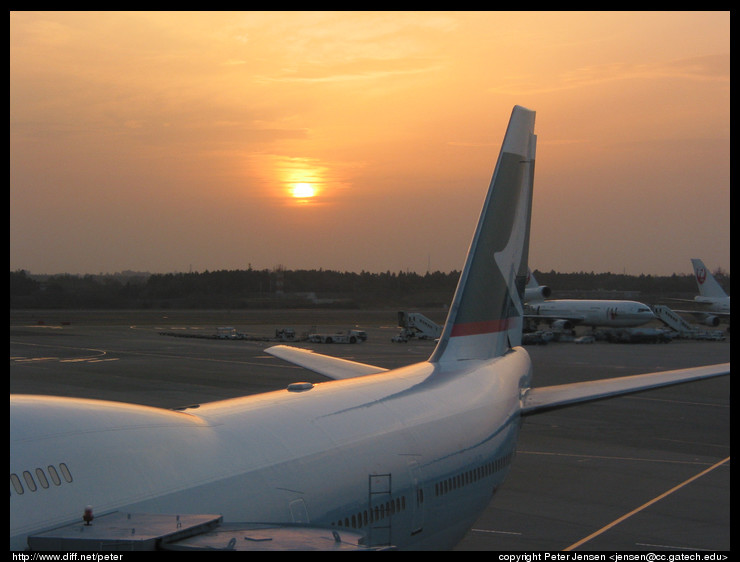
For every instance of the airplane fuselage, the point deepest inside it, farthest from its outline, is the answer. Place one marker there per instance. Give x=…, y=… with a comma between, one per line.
x=305, y=456
x=609, y=313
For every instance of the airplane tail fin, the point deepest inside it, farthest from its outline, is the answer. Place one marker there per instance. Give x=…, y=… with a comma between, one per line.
x=485, y=318
x=708, y=286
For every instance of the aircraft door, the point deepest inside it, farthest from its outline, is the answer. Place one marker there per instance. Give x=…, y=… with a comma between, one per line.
x=298, y=511
x=417, y=499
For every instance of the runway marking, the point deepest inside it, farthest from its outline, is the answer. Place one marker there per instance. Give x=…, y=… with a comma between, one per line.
x=88, y=359
x=645, y=505
x=673, y=547
x=31, y=359
x=495, y=532
x=606, y=457
x=695, y=443
x=93, y=358
x=80, y=360
x=710, y=404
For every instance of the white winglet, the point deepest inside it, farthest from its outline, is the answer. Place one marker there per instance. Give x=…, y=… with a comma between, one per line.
x=332, y=367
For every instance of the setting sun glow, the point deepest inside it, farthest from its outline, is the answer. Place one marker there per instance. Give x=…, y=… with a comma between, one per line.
x=264, y=125
x=303, y=190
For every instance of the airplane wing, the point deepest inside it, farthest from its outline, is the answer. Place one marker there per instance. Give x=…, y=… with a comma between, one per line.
x=548, y=397
x=332, y=367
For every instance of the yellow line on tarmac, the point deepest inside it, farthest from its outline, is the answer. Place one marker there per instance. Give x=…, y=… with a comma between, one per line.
x=643, y=506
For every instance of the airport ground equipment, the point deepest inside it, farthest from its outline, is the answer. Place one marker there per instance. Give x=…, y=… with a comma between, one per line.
x=228, y=333
x=684, y=330
x=416, y=325
x=285, y=334
x=350, y=336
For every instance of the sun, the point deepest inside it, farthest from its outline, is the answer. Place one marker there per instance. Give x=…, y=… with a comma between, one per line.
x=303, y=190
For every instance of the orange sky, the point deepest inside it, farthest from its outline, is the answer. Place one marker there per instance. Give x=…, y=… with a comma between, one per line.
x=171, y=141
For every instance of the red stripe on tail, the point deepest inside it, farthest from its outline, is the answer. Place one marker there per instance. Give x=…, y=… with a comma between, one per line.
x=476, y=328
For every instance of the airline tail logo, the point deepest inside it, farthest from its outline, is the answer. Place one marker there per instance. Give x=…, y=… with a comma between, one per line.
x=701, y=275
x=485, y=317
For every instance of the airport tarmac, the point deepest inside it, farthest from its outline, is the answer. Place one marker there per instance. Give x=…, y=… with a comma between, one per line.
x=644, y=472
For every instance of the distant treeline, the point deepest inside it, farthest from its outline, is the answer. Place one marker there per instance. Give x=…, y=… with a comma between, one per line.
x=280, y=288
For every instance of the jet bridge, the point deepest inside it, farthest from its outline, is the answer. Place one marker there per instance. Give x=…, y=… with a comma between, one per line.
x=119, y=531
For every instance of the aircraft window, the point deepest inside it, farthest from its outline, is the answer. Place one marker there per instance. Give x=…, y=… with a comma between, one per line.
x=42, y=478
x=29, y=480
x=54, y=475
x=65, y=472
x=17, y=484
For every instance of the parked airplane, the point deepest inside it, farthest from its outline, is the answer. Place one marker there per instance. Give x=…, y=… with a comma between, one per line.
x=712, y=297
x=567, y=313
x=407, y=457
x=534, y=292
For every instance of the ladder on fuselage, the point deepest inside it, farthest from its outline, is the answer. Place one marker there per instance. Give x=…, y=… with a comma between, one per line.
x=379, y=499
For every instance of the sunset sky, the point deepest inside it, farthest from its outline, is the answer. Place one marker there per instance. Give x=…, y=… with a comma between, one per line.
x=178, y=141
